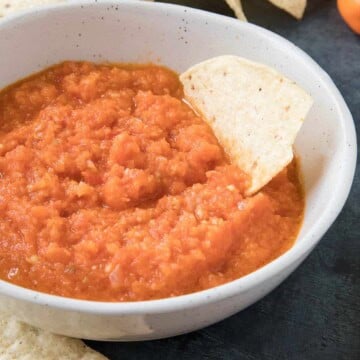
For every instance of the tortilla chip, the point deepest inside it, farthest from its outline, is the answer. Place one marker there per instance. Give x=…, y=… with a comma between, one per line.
x=237, y=8
x=23, y=342
x=295, y=8
x=254, y=111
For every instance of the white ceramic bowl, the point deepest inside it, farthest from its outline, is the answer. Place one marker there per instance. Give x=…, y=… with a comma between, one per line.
x=179, y=37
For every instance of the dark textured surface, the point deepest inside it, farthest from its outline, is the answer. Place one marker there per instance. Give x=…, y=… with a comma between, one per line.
x=315, y=314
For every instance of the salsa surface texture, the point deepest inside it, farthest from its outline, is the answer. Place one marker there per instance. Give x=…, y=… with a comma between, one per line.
x=113, y=189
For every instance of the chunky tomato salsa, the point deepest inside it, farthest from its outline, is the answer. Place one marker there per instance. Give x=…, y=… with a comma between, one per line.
x=113, y=189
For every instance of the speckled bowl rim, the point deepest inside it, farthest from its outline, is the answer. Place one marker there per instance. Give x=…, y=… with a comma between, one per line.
x=334, y=205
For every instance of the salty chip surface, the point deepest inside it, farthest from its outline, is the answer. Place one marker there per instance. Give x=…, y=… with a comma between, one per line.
x=295, y=8
x=254, y=111
x=24, y=342
x=236, y=7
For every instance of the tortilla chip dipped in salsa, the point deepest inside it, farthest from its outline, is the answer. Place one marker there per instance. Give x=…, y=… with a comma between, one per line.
x=113, y=188
x=254, y=111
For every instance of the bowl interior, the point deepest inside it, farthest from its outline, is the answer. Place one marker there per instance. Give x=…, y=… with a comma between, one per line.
x=180, y=37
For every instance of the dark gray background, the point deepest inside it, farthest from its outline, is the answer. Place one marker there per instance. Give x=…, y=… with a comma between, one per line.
x=315, y=313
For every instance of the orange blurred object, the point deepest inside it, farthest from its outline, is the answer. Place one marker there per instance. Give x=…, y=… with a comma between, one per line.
x=350, y=11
